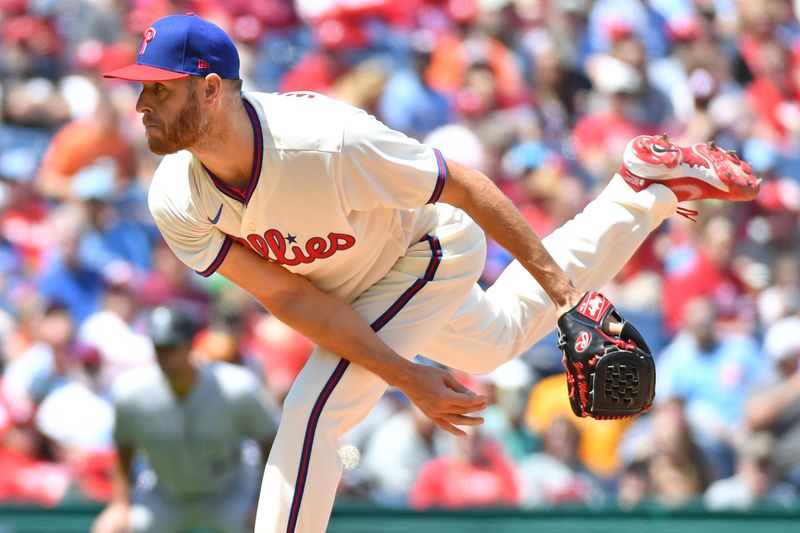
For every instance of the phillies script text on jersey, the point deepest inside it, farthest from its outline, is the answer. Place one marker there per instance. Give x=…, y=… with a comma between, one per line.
x=272, y=245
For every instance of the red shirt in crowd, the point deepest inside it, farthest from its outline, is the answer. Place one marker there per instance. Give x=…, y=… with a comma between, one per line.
x=453, y=482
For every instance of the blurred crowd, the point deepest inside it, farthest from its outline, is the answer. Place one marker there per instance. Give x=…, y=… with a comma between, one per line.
x=541, y=95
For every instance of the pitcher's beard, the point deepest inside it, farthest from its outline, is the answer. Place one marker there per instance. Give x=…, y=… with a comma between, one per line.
x=184, y=132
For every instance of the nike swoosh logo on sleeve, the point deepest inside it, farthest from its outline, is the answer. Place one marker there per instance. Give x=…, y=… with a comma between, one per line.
x=216, y=218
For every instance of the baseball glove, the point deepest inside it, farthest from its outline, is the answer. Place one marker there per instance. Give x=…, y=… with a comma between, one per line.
x=608, y=376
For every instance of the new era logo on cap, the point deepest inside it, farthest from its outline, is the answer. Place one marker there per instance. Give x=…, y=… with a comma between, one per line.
x=178, y=46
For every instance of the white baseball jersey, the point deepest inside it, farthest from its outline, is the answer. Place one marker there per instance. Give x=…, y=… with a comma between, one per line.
x=334, y=195
x=193, y=445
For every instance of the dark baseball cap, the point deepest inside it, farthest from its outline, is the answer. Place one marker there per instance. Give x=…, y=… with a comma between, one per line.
x=178, y=46
x=170, y=327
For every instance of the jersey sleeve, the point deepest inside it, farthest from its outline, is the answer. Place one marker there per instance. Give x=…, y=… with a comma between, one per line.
x=191, y=237
x=383, y=167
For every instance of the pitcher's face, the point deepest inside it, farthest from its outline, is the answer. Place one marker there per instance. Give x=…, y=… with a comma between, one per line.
x=171, y=115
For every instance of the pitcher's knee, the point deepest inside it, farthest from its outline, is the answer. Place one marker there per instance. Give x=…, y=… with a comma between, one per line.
x=296, y=406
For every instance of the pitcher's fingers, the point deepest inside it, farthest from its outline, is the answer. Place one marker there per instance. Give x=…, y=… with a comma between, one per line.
x=463, y=420
x=458, y=409
x=615, y=328
x=450, y=428
x=463, y=403
x=455, y=385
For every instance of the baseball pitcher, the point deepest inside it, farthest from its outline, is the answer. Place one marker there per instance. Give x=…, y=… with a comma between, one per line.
x=370, y=244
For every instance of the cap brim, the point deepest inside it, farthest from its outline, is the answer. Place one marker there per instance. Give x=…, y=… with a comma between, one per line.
x=138, y=72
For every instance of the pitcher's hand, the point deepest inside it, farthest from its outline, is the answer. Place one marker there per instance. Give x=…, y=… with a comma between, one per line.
x=444, y=399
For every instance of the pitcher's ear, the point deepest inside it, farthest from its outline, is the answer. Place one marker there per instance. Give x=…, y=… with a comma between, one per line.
x=212, y=86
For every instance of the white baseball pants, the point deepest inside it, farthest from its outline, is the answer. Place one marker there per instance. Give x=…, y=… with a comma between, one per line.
x=429, y=304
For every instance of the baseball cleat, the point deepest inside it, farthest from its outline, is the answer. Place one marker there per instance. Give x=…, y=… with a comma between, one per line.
x=701, y=171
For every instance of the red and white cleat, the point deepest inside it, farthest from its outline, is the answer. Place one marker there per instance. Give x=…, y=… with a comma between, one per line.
x=698, y=172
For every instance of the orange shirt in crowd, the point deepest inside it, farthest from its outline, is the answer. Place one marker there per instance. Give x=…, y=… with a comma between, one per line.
x=77, y=145
x=599, y=438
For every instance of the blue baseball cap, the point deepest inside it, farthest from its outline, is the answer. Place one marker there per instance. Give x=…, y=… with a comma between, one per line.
x=178, y=46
